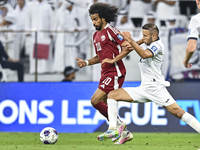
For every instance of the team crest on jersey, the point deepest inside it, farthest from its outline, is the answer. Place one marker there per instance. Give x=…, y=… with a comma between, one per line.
x=120, y=37
x=103, y=38
x=154, y=48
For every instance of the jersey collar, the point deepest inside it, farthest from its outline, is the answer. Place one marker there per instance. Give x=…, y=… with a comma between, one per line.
x=106, y=25
x=157, y=39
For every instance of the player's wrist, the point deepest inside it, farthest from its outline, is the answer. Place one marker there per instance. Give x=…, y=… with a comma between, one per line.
x=86, y=62
x=114, y=60
x=130, y=40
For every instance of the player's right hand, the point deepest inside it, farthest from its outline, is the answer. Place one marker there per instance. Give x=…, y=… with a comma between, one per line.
x=126, y=35
x=80, y=63
x=107, y=60
x=187, y=65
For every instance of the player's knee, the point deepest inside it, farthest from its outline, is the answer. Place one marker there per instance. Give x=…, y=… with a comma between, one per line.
x=94, y=101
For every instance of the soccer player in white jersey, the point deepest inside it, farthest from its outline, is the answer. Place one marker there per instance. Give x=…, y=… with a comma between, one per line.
x=153, y=84
x=193, y=35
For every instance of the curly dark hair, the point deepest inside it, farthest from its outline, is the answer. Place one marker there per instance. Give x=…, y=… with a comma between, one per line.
x=104, y=10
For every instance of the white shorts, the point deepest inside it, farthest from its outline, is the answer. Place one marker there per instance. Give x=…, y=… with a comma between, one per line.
x=156, y=93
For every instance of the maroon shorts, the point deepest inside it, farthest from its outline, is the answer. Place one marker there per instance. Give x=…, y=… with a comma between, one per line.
x=110, y=83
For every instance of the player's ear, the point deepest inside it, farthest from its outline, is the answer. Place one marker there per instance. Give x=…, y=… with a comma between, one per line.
x=154, y=37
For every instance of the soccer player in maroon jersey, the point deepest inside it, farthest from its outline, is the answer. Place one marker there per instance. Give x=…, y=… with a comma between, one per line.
x=108, y=43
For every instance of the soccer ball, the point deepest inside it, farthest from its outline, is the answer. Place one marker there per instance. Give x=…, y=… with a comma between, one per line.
x=49, y=135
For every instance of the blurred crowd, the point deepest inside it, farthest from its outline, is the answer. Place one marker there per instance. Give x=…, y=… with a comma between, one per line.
x=61, y=23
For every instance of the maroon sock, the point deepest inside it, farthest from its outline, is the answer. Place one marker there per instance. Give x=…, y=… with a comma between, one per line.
x=102, y=108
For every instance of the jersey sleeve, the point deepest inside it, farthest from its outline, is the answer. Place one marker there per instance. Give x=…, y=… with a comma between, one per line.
x=193, y=29
x=154, y=48
x=115, y=36
x=94, y=42
x=119, y=39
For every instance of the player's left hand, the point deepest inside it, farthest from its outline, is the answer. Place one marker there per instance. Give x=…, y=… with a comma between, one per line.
x=107, y=60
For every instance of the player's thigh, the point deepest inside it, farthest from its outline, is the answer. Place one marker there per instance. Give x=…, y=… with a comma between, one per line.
x=120, y=95
x=98, y=96
x=137, y=94
x=158, y=94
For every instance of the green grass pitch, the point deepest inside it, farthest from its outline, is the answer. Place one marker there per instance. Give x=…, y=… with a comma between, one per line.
x=88, y=141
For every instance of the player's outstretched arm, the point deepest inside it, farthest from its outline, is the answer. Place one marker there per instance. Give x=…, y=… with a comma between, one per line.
x=82, y=63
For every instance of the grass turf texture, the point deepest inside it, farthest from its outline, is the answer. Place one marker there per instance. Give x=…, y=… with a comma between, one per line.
x=88, y=141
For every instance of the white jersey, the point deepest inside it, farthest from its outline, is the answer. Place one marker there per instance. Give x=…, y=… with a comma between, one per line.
x=151, y=67
x=194, y=27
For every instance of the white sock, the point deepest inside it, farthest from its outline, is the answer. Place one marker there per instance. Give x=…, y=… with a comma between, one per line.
x=191, y=121
x=119, y=122
x=112, y=113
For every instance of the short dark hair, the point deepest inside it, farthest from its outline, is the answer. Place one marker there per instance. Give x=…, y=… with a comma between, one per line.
x=104, y=10
x=153, y=29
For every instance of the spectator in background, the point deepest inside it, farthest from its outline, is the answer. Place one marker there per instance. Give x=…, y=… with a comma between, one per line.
x=64, y=56
x=69, y=74
x=7, y=38
x=123, y=21
x=164, y=9
x=4, y=10
x=151, y=17
x=20, y=16
x=39, y=17
x=7, y=62
x=187, y=7
x=84, y=24
x=137, y=10
x=174, y=25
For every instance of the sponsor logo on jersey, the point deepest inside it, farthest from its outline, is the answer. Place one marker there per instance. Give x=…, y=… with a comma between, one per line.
x=167, y=100
x=103, y=38
x=120, y=37
x=154, y=48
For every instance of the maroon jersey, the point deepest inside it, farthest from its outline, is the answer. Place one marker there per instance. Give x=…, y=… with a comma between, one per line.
x=107, y=44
